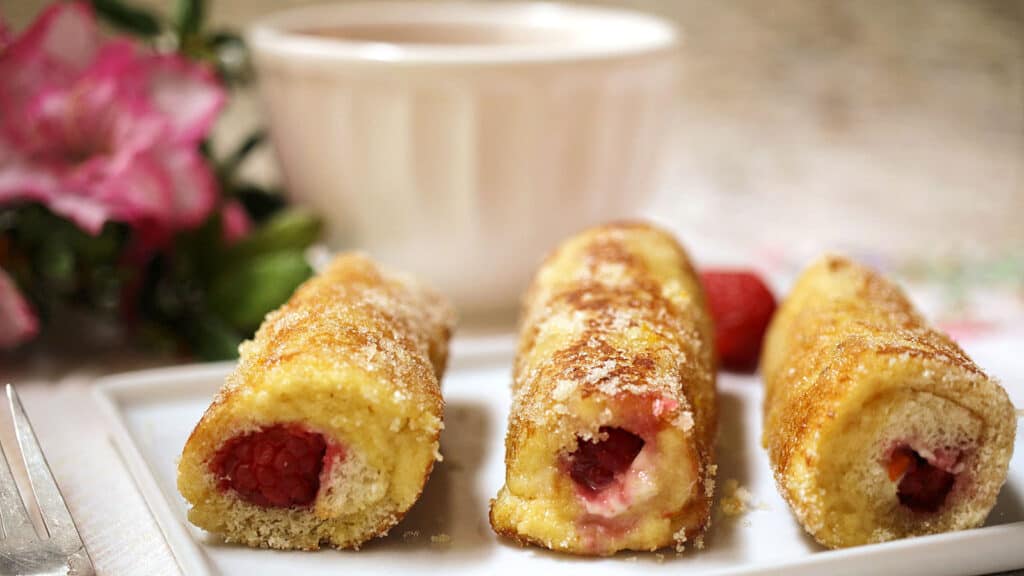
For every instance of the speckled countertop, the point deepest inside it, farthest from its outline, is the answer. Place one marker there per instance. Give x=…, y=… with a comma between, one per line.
x=873, y=125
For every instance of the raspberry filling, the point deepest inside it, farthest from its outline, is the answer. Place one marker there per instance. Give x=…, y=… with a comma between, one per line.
x=278, y=466
x=594, y=465
x=922, y=487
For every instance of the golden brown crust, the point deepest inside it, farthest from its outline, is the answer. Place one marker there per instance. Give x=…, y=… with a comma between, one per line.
x=844, y=336
x=816, y=335
x=615, y=312
x=353, y=334
x=406, y=324
x=608, y=310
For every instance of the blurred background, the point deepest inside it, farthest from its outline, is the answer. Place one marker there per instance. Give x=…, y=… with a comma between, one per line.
x=875, y=127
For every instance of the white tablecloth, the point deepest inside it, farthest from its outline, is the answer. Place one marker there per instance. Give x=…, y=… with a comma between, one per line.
x=116, y=526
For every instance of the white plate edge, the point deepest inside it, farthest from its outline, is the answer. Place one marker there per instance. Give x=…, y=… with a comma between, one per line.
x=187, y=553
x=191, y=559
x=108, y=393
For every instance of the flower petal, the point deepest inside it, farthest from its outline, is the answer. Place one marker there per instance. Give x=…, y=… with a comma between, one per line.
x=59, y=45
x=138, y=189
x=188, y=93
x=87, y=213
x=64, y=35
x=18, y=322
x=194, y=185
x=102, y=131
x=55, y=50
x=169, y=187
x=5, y=34
x=21, y=180
x=235, y=222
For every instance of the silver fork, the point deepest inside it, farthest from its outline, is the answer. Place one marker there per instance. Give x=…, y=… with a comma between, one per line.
x=23, y=552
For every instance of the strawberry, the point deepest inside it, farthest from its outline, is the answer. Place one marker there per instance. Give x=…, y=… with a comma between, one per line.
x=741, y=308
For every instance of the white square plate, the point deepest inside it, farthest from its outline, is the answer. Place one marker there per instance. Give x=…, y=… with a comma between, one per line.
x=151, y=413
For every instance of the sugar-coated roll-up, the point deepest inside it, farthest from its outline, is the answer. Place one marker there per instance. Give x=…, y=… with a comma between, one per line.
x=610, y=436
x=328, y=428
x=877, y=426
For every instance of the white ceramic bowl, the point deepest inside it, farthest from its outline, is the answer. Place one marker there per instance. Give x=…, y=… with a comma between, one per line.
x=461, y=141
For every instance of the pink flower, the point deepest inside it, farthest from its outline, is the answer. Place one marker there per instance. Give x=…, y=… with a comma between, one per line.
x=18, y=323
x=100, y=131
x=235, y=222
x=5, y=35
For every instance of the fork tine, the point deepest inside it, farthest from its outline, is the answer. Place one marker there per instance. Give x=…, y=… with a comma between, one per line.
x=13, y=516
x=54, y=511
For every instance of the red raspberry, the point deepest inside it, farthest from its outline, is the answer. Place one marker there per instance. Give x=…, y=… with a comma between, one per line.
x=277, y=466
x=594, y=465
x=741, y=307
x=923, y=487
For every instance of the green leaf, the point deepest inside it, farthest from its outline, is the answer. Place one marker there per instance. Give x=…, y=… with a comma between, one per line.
x=232, y=162
x=55, y=262
x=210, y=338
x=158, y=337
x=101, y=248
x=206, y=149
x=105, y=285
x=225, y=39
x=203, y=249
x=189, y=16
x=261, y=204
x=148, y=282
x=128, y=18
x=254, y=141
x=231, y=56
x=35, y=224
x=291, y=229
x=245, y=293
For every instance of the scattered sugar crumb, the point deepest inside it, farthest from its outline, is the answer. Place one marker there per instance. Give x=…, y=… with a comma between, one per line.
x=659, y=558
x=709, y=483
x=684, y=421
x=737, y=500
x=440, y=539
x=563, y=390
x=699, y=542
x=680, y=539
x=410, y=535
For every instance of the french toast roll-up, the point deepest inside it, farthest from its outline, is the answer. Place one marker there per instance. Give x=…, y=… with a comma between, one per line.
x=610, y=437
x=328, y=428
x=877, y=426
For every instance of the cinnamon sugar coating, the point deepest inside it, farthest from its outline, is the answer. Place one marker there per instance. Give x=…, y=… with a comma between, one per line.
x=352, y=312
x=355, y=356
x=852, y=371
x=632, y=323
x=613, y=331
